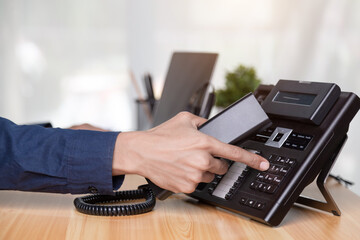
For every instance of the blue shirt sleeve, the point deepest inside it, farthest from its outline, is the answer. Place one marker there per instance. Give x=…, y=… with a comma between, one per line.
x=34, y=158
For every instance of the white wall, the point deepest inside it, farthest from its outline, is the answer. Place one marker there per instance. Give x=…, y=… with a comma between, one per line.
x=64, y=61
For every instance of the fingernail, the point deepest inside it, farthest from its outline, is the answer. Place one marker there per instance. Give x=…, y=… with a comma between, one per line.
x=264, y=166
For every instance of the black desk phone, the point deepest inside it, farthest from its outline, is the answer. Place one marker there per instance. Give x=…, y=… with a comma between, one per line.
x=310, y=121
x=300, y=128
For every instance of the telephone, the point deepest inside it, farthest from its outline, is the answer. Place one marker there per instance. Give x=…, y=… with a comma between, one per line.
x=310, y=121
x=300, y=128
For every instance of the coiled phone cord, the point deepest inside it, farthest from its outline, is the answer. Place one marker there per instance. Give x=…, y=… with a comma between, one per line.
x=90, y=204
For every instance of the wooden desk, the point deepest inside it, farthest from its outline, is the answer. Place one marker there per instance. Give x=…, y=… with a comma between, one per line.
x=52, y=216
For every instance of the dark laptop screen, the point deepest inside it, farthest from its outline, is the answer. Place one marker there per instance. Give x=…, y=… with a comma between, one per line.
x=188, y=73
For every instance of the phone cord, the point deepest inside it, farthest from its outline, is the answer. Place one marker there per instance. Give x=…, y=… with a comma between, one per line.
x=91, y=204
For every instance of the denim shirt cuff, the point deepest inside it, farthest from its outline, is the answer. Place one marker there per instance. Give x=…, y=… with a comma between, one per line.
x=89, y=159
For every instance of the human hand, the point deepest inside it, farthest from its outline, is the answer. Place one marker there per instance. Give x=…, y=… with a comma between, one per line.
x=176, y=156
x=86, y=126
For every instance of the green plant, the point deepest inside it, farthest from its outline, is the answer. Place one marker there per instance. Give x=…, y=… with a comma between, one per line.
x=238, y=83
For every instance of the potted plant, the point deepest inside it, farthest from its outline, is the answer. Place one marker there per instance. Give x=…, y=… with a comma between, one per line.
x=238, y=83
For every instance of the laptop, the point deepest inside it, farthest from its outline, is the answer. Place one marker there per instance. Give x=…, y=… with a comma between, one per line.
x=188, y=77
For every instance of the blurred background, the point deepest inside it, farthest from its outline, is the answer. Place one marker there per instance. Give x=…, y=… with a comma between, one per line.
x=68, y=62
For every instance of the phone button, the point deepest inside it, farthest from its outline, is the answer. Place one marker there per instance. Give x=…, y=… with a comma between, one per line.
x=243, y=200
x=272, y=157
x=250, y=202
x=270, y=189
x=290, y=161
x=274, y=169
x=254, y=185
x=277, y=180
x=284, y=170
x=259, y=205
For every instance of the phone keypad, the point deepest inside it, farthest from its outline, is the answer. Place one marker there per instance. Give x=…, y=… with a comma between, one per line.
x=269, y=181
x=225, y=186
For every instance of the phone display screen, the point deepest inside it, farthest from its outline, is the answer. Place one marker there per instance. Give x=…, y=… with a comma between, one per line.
x=303, y=99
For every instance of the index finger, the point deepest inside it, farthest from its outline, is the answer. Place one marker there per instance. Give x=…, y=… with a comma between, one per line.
x=235, y=153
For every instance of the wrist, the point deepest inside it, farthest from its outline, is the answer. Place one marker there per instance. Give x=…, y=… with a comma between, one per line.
x=125, y=160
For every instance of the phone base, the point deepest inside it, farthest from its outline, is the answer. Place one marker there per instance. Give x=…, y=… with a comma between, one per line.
x=330, y=205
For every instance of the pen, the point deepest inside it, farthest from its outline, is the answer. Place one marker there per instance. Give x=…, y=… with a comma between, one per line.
x=146, y=108
x=149, y=90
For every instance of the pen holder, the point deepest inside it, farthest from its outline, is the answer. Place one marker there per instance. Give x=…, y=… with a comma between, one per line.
x=145, y=112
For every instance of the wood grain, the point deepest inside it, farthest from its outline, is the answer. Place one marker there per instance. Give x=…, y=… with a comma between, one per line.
x=26, y=215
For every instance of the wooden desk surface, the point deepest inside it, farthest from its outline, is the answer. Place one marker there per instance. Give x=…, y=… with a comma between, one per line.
x=52, y=216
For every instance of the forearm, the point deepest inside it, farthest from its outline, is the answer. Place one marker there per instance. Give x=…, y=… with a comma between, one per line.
x=33, y=158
